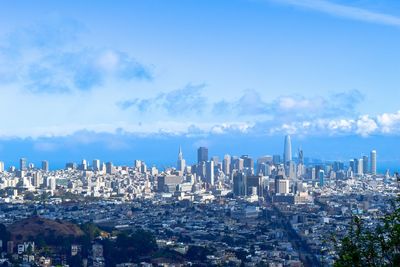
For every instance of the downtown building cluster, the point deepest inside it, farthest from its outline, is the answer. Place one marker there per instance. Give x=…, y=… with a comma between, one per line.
x=276, y=210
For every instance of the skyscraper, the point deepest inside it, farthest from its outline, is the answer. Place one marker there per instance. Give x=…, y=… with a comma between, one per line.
x=365, y=164
x=109, y=168
x=287, y=154
x=301, y=156
x=181, y=163
x=96, y=165
x=45, y=165
x=239, y=184
x=360, y=165
x=254, y=181
x=226, y=164
x=248, y=163
x=84, y=165
x=276, y=159
x=321, y=176
x=238, y=163
x=202, y=154
x=291, y=170
x=215, y=159
x=352, y=164
x=373, y=162
x=201, y=169
x=22, y=164
x=210, y=172
x=281, y=185
x=262, y=162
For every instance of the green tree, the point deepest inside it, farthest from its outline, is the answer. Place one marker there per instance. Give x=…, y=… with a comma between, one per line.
x=91, y=230
x=198, y=253
x=29, y=195
x=376, y=246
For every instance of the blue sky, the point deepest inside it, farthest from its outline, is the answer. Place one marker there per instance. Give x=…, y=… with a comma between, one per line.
x=197, y=71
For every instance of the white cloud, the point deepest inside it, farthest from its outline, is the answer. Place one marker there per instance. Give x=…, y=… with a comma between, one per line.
x=389, y=122
x=341, y=125
x=365, y=125
x=108, y=60
x=290, y=103
x=344, y=11
x=44, y=59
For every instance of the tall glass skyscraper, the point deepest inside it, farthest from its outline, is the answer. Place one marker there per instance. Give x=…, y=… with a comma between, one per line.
x=45, y=165
x=202, y=154
x=365, y=164
x=22, y=164
x=287, y=153
x=373, y=162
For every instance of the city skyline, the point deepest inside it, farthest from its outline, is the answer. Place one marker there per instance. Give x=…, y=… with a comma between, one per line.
x=369, y=162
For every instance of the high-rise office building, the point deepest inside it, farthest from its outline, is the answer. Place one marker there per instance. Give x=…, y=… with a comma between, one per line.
x=360, y=165
x=226, y=164
x=287, y=154
x=1, y=166
x=373, y=162
x=262, y=168
x=246, y=185
x=109, y=168
x=168, y=183
x=262, y=162
x=365, y=164
x=45, y=165
x=84, y=165
x=238, y=164
x=291, y=170
x=70, y=165
x=210, y=172
x=37, y=179
x=248, y=163
x=22, y=164
x=201, y=169
x=337, y=166
x=181, y=163
x=31, y=166
x=301, y=157
x=202, y=154
x=352, y=164
x=276, y=159
x=316, y=170
x=137, y=164
x=51, y=183
x=281, y=185
x=239, y=184
x=143, y=168
x=254, y=181
x=96, y=165
x=215, y=159
x=321, y=176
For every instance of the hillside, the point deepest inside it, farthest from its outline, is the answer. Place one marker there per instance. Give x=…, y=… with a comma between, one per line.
x=35, y=226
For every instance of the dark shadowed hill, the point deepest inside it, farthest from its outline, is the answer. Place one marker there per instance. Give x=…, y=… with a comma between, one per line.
x=34, y=226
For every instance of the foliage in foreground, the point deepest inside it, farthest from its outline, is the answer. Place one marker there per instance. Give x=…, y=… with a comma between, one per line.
x=371, y=246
